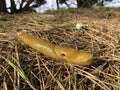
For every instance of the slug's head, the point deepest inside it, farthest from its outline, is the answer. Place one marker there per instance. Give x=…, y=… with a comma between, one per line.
x=73, y=56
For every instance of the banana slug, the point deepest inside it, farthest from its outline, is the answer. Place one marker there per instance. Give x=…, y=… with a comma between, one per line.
x=60, y=53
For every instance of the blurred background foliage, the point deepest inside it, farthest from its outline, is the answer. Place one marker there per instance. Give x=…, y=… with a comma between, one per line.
x=30, y=5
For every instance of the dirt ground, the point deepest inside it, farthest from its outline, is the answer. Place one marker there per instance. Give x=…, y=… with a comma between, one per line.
x=22, y=68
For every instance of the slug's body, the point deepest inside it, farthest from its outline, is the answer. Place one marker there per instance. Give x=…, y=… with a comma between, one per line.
x=59, y=52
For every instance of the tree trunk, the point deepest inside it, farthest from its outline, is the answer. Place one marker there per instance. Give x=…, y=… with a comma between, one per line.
x=57, y=2
x=21, y=5
x=13, y=7
x=3, y=6
x=27, y=6
x=67, y=4
x=79, y=3
x=84, y=3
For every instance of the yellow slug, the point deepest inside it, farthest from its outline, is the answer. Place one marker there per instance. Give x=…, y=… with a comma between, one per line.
x=60, y=53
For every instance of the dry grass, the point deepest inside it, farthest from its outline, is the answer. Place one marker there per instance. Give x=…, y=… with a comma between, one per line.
x=22, y=68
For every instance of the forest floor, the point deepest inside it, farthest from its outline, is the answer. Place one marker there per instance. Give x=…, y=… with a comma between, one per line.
x=22, y=68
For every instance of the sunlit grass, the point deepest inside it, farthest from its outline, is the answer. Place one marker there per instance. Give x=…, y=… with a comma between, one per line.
x=19, y=70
